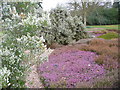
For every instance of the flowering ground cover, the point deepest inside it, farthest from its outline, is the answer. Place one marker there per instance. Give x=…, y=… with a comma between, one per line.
x=97, y=33
x=26, y=31
x=106, y=34
x=107, y=51
x=72, y=67
x=93, y=67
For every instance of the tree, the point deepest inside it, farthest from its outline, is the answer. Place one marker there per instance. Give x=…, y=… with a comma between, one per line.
x=103, y=16
x=116, y=5
x=106, y=14
x=84, y=8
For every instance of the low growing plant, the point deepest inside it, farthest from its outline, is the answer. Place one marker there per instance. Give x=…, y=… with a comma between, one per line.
x=111, y=35
x=107, y=51
x=72, y=67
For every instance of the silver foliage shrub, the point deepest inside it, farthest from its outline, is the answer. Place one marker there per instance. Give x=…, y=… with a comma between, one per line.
x=20, y=46
x=64, y=28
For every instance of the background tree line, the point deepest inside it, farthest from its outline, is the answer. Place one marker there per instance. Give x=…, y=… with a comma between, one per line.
x=95, y=13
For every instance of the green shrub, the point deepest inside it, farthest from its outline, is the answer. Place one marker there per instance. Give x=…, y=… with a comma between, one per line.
x=103, y=16
x=64, y=27
x=109, y=36
x=15, y=51
x=19, y=42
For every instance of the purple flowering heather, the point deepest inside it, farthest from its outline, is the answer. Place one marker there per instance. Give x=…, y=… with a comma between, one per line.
x=98, y=35
x=74, y=66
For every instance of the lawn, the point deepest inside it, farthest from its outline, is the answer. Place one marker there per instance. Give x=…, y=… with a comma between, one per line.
x=109, y=36
x=102, y=27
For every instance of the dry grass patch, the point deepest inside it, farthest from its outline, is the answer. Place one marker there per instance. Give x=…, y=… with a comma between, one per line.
x=107, y=51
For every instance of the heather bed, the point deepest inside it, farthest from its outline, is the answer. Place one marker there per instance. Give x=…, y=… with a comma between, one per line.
x=69, y=67
x=72, y=66
x=106, y=34
x=26, y=34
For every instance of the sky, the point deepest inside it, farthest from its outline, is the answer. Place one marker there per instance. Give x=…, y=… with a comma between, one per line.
x=49, y=4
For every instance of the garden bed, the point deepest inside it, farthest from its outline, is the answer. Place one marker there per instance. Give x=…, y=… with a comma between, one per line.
x=69, y=67
x=106, y=34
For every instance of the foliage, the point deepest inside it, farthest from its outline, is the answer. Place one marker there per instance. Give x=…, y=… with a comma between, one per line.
x=20, y=8
x=4, y=74
x=116, y=5
x=64, y=27
x=103, y=16
x=15, y=51
x=95, y=13
x=19, y=42
x=70, y=67
x=111, y=35
x=11, y=59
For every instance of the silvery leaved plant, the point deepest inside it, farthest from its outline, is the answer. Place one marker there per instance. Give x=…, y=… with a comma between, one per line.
x=34, y=45
x=4, y=74
x=64, y=28
x=14, y=54
x=21, y=44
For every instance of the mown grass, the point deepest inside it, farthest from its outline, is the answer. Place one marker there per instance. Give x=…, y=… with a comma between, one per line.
x=102, y=27
x=109, y=36
x=105, y=26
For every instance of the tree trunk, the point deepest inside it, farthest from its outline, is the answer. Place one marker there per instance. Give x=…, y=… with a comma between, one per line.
x=84, y=18
x=84, y=12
